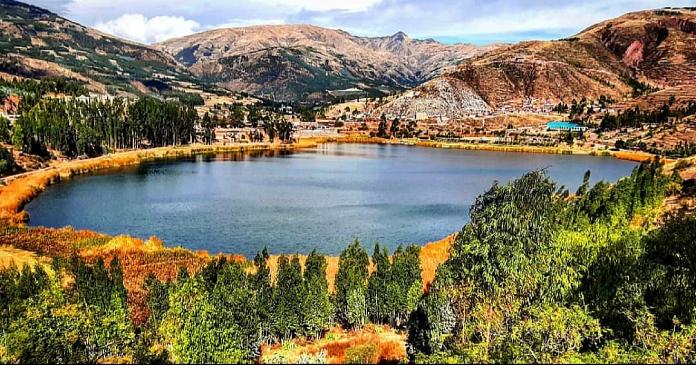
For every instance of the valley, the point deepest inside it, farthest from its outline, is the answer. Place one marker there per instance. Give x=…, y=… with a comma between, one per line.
x=296, y=193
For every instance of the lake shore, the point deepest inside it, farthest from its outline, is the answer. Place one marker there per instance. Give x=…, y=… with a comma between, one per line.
x=140, y=256
x=22, y=188
x=636, y=156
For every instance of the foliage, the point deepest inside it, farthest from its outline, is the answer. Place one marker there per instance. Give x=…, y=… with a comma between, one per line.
x=351, y=286
x=5, y=129
x=7, y=162
x=44, y=323
x=539, y=276
x=78, y=128
x=317, y=315
x=394, y=288
x=362, y=354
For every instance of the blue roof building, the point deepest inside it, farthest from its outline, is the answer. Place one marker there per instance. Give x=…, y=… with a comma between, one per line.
x=565, y=126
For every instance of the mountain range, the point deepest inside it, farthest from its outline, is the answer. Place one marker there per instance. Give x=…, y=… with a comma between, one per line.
x=296, y=62
x=622, y=59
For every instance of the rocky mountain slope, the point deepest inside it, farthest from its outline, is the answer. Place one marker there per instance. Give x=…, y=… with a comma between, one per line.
x=295, y=62
x=37, y=43
x=614, y=58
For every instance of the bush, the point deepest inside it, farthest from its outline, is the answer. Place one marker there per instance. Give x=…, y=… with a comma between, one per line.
x=362, y=354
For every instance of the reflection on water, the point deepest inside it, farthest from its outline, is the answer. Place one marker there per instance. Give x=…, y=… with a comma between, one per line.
x=296, y=201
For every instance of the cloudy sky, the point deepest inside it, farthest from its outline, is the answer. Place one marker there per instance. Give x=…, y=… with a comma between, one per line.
x=450, y=21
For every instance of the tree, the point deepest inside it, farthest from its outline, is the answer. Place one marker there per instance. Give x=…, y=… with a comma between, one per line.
x=670, y=265
x=380, y=299
x=7, y=162
x=431, y=322
x=351, y=286
x=382, y=127
x=208, y=127
x=395, y=128
x=288, y=298
x=317, y=313
x=406, y=282
x=510, y=232
x=236, y=117
x=261, y=283
x=5, y=130
x=254, y=116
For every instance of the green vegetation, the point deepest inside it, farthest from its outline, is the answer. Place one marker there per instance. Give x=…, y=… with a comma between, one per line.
x=632, y=118
x=78, y=128
x=105, y=59
x=639, y=88
x=7, y=162
x=537, y=275
x=29, y=87
x=43, y=323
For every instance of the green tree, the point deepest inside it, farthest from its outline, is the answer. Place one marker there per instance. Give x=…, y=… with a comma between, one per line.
x=5, y=130
x=317, y=315
x=288, y=298
x=208, y=127
x=7, y=162
x=351, y=286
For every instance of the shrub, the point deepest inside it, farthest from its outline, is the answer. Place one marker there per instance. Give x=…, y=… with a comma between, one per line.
x=362, y=354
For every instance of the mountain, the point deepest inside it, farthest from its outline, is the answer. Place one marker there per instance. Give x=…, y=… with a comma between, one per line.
x=294, y=62
x=37, y=43
x=619, y=58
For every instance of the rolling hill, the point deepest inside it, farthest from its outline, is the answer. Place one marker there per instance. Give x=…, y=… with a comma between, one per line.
x=37, y=43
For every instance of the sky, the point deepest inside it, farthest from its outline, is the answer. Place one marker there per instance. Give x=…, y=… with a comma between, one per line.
x=448, y=21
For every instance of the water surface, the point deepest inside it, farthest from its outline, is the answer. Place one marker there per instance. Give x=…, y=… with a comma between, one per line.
x=296, y=201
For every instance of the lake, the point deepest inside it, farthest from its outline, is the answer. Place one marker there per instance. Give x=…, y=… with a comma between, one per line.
x=295, y=201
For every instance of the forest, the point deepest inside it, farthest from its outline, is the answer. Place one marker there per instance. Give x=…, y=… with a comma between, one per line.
x=537, y=275
x=635, y=117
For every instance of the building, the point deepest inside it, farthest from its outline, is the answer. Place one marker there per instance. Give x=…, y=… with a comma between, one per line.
x=561, y=126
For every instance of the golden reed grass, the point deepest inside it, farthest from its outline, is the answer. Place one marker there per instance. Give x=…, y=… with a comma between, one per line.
x=390, y=345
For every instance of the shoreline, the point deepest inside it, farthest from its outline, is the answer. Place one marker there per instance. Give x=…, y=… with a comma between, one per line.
x=635, y=156
x=20, y=189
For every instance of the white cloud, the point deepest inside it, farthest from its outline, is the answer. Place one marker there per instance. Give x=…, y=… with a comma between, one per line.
x=238, y=22
x=461, y=19
x=139, y=28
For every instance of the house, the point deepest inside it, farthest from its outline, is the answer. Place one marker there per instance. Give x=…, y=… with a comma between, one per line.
x=561, y=126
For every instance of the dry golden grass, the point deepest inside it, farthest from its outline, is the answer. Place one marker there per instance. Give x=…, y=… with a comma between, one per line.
x=390, y=345
x=636, y=156
x=432, y=255
x=10, y=256
x=139, y=258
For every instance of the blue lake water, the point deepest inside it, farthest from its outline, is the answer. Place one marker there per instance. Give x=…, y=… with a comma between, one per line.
x=293, y=202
